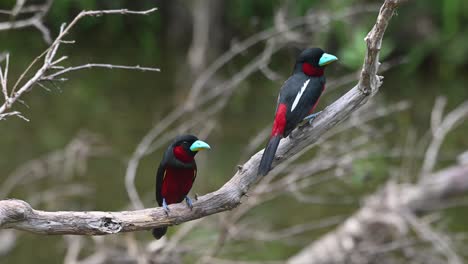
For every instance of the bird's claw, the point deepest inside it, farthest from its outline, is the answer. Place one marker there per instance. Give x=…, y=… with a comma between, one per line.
x=311, y=117
x=189, y=202
x=165, y=207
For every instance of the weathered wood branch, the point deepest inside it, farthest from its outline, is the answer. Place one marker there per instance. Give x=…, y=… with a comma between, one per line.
x=19, y=215
x=383, y=216
x=51, y=63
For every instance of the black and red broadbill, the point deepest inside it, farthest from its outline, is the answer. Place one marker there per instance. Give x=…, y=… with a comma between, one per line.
x=176, y=174
x=297, y=99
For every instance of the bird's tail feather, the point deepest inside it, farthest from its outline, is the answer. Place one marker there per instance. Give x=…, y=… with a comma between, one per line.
x=268, y=155
x=159, y=232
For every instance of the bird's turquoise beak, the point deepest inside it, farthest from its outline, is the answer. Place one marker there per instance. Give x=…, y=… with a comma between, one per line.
x=199, y=145
x=327, y=59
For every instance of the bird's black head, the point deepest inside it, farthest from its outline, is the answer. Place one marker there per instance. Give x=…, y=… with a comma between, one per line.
x=186, y=146
x=311, y=56
x=311, y=61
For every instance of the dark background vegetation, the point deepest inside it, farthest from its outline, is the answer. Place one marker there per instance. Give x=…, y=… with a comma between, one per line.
x=120, y=106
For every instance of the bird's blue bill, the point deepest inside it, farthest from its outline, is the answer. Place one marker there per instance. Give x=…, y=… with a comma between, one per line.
x=327, y=59
x=199, y=145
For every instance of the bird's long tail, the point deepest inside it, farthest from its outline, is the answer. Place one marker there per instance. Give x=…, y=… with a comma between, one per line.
x=268, y=155
x=159, y=232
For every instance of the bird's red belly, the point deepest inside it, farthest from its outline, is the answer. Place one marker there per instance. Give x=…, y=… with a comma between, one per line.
x=177, y=184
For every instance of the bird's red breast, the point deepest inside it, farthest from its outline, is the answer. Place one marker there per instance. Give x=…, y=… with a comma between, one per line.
x=177, y=183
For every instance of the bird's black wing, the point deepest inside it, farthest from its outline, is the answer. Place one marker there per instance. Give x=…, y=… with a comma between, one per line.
x=305, y=103
x=290, y=88
x=159, y=180
x=160, y=175
x=300, y=92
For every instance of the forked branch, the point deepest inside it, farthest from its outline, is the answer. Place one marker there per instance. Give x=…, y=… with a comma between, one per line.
x=51, y=63
x=19, y=215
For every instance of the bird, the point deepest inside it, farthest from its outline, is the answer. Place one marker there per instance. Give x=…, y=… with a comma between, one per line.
x=176, y=174
x=297, y=100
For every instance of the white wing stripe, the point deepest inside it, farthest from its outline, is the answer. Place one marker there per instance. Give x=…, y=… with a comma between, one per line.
x=299, y=94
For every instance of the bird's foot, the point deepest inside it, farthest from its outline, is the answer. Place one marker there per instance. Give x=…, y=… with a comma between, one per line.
x=188, y=201
x=310, y=118
x=165, y=207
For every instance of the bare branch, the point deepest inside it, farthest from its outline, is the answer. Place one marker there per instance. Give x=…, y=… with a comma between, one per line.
x=440, y=128
x=156, y=136
x=440, y=243
x=18, y=6
x=50, y=62
x=24, y=10
x=4, y=77
x=382, y=212
x=97, y=65
x=148, y=143
x=369, y=81
x=13, y=113
x=36, y=20
x=18, y=214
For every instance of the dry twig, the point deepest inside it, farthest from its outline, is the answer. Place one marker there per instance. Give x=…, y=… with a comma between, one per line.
x=18, y=214
x=50, y=63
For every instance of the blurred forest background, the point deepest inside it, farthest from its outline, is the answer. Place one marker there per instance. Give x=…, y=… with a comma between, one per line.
x=73, y=153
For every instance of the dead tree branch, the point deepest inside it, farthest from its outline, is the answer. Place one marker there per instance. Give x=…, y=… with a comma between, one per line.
x=389, y=214
x=439, y=128
x=35, y=19
x=51, y=63
x=19, y=215
x=273, y=37
x=385, y=212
